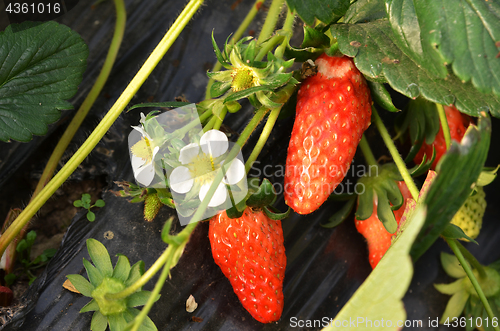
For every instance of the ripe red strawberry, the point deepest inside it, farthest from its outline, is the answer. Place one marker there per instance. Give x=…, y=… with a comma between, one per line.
x=250, y=252
x=458, y=124
x=333, y=110
x=377, y=237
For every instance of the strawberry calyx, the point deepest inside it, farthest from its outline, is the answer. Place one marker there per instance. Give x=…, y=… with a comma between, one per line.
x=383, y=187
x=260, y=196
x=464, y=297
x=248, y=77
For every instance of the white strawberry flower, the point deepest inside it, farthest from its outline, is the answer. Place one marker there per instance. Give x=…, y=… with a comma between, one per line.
x=143, y=154
x=199, y=168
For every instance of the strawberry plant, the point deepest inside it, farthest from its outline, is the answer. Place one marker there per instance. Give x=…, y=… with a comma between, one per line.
x=417, y=81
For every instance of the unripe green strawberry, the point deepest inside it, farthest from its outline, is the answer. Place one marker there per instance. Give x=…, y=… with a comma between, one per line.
x=470, y=216
x=152, y=205
x=333, y=110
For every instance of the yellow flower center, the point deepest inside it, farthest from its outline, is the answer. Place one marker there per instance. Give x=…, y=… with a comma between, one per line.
x=143, y=149
x=202, y=169
x=243, y=78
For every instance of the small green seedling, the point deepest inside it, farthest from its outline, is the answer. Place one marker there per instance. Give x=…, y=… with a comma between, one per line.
x=85, y=203
x=24, y=256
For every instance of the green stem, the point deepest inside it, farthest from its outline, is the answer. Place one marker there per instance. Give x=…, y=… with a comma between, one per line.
x=475, y=263
x=156, y=291
x=164, y=257
x=395, y=155
x=237, y=35
x=80, y=115
x=458, y=253
x=288, y=29
x=444, y=125
x=218, y=121
x=271, y=120
x=210, y=124
x=268, y=46
x=271, y=20
x=247, y=132
x=115, y=111
x=367, y=152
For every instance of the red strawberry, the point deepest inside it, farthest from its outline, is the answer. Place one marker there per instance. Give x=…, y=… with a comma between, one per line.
x=377, y=237
x=458, y=124
x=250, y=252
x=333, y=110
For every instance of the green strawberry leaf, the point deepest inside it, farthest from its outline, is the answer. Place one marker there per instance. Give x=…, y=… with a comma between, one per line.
x=81, y=284
x=408, y=33
x=340, y=215
x=99, y=322
x=93, y=273
x=122, y=268
x=91, y=306
x=464, y=33
x=77, y=203
x=457, y=171
x=264, y=196
x=365, y=204
x=384, y=211
x=139, y=298
x=455, y=232
x=455, y=305
x=42, y=65
x=275, y=214
x=381, y=60
x=100, y=256
x=487, y=176
x=381, y=96
x=327, y=11
x=117, y=321
x=380, y=295
x=452, y=266
x=365, y=11
x=314, y=38
x=451, y=288
x=219, y=88
x=135, y=273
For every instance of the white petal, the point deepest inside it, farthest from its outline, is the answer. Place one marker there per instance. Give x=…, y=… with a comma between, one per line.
x=143, y=119
x=140, y=129
x=145, y=174
x=214, y=143
x=188, y=153
x=137, y=163
x=235, y=173
x=181, y=180
x=219, y=196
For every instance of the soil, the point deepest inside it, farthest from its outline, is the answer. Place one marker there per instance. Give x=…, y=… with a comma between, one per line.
x=51, y=221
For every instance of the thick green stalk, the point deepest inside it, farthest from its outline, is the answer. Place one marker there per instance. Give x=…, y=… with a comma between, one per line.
x=271, y=20
x=475, y=263
x=275, y=40
x=236, y=36
x=164, y=257
x=367, y=152
x=218, y=121
x=395, y=155
x=458, y=253
x=210, y=124
x=444, y=125
x=115, y=111
x=288, y=29
x=268, y=128
x=147, y=307
x=80, y=115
